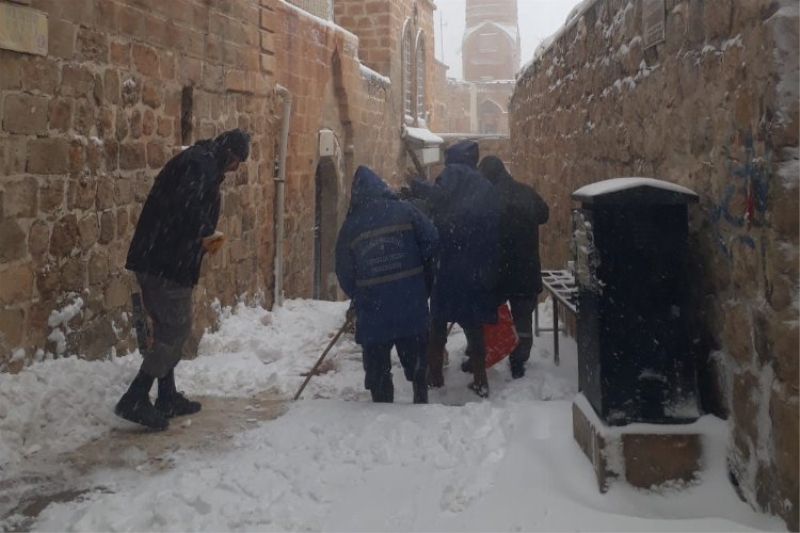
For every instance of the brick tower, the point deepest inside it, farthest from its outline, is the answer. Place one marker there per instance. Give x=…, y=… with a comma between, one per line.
x=491, y=42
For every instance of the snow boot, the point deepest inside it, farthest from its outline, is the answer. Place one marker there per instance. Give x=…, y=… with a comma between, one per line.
x=383, y=391
x=517, y=368
x=420, y=392
x=135, y=406
x=481, y=389
x=171, y=403
x=480, y=382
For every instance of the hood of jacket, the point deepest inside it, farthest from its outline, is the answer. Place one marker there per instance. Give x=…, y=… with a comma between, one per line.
x=367, y=186
x=493, y=169
x=462, y=153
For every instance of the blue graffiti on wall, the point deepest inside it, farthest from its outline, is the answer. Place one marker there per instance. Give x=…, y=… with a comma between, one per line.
x=743, y=202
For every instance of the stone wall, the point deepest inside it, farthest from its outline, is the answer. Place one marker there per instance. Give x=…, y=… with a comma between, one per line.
x=713, y=107
x=467, y=107
x=84, y=131
x=126, y=83
x=358, y=102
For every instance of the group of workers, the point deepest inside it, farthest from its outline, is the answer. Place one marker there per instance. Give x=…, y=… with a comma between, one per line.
x=444, y=252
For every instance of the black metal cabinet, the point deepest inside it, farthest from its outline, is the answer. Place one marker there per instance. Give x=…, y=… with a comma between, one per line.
x=629, y=242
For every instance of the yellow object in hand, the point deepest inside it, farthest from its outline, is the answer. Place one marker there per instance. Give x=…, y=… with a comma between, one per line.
x=213, y=243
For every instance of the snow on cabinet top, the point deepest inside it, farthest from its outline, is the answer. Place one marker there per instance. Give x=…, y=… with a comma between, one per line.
x=422, y=135
x=624, y=190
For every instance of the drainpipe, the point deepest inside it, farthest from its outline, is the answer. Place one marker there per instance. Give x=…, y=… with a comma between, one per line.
x=280, y=191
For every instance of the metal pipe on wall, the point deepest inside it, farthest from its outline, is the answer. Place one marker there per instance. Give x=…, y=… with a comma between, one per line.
x=280, y=191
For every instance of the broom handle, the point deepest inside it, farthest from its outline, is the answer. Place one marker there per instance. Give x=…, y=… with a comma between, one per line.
x=321, y=357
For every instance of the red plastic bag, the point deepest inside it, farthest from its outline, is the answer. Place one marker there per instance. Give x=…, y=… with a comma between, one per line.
x=501, y=338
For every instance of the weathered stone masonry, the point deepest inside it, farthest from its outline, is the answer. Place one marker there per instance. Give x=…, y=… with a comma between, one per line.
x=125, y=84
x=713, y=107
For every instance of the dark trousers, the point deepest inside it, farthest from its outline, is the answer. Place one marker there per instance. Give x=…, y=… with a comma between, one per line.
x=378, y=363
x=169, y=307
x=522, y=310
x=473, y=333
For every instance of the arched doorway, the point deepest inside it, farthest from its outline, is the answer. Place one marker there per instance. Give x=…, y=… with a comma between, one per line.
x=489, y=117
x=327, y=184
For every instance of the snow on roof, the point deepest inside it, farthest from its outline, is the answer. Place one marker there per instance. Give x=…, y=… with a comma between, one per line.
x=423, y=135
x=604, y=187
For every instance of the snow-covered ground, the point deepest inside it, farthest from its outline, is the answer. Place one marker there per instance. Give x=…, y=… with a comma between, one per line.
x=334, y=461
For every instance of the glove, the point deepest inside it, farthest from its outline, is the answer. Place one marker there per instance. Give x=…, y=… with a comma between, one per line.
x=213, y=243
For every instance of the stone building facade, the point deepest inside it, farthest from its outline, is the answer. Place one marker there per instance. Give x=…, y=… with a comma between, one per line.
x=87, y=122
x=710, y=104
x=490, y=48
x=490, y=57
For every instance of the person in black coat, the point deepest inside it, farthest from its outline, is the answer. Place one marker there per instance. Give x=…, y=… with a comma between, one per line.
x=519, y=280
x=176, y=228
x=382, y=252
x=465, y=209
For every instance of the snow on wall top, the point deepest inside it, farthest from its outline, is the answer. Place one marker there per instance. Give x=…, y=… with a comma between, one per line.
x=319, y=20
x=373, y=76
x=573, y=16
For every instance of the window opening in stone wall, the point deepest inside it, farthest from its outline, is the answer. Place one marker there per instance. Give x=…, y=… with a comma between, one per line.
x=187, y=105
x=407, y=72
x=420, y=107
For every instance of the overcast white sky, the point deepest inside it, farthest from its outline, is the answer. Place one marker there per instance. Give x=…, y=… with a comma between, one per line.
x=538, y=19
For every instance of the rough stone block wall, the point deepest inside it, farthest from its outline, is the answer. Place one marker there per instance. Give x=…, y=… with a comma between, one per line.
x=332, y=91
x=455, y=112
x=85, y=129
x=714, y=107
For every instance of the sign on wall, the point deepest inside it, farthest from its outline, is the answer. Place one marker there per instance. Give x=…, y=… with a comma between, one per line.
x=653, y=22
x=23, y=29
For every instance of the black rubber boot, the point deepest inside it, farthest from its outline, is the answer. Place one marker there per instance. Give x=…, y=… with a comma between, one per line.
x=517, y=368
x=383, y=391
x=135, y=406
x=466, y=366
x=480, y=382
x=172, y=403
x=420, y=391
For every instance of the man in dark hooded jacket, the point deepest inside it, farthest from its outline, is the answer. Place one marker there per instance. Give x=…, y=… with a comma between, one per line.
x=381, y=253
x=520, y=275
x=466, y=211
x=176, y=228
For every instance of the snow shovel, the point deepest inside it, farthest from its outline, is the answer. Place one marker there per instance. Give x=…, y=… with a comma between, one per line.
x=335, y=338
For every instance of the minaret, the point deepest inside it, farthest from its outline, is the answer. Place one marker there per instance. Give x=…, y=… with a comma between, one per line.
x=491, y=44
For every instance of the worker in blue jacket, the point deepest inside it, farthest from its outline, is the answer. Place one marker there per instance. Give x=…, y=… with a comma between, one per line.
x=465, y=209
x=382, y=252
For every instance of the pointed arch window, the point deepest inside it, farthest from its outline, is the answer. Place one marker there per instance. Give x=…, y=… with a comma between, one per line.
x=407, y=74
x=420, y=60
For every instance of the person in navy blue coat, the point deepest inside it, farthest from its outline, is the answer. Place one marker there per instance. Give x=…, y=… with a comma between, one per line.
x=382, y=251
x=465, y=209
